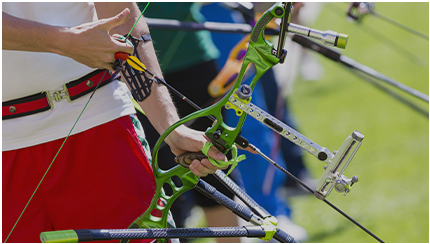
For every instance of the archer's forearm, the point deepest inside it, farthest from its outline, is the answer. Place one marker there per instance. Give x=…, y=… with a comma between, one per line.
x=25, y=35
x=158, y=106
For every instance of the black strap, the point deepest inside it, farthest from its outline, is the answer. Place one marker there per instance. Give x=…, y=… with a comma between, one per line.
x=143, y=38
x=146, y=38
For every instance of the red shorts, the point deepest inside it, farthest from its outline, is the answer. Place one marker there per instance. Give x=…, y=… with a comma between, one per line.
x=100, y=180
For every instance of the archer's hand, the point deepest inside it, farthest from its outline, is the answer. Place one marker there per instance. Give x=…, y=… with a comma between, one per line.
x=92, y=45
x=184, y=139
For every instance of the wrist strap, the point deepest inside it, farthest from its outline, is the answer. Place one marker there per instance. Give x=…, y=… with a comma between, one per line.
x=219, y=163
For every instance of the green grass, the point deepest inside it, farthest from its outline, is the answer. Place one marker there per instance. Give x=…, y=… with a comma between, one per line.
x=392, y=197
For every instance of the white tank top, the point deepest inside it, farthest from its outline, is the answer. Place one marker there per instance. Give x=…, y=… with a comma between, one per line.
x=28, y=73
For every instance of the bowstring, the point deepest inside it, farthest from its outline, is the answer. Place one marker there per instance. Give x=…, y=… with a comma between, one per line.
x=137, y=20
x=70, y=132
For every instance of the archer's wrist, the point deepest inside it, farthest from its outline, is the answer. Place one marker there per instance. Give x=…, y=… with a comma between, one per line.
x=175, y=136
x=61, y=40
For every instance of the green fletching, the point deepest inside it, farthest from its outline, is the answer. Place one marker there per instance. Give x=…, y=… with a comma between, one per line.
x=270, y=226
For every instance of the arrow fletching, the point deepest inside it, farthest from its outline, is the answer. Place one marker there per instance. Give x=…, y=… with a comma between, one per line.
x=136, y=64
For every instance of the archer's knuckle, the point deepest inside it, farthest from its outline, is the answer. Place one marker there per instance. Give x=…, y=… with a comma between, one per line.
x=116, y=19
x=197, y=165
x=206, y=163
x=211, y=166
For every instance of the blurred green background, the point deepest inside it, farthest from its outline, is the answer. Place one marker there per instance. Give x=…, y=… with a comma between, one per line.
x=391, y=198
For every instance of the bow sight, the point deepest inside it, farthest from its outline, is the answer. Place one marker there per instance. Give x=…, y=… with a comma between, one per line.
x=336, y=161
x=264, y=56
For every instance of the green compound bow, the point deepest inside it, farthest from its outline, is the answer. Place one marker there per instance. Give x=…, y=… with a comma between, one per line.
x=264, y=56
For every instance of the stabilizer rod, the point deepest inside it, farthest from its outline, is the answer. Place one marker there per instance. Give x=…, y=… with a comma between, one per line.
x=350, y=63
x=87, y=235
x=327, y=37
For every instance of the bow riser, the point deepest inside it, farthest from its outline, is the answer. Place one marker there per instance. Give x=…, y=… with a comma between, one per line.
x=260, y=53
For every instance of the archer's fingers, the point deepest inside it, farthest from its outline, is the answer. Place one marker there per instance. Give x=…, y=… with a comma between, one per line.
x=216, y=154
x=205, y=162
x=204, y=167
x=122, y=46
x=197, y=169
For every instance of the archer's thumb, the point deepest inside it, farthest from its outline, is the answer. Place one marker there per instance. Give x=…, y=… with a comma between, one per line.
x=116, y=20
x=216, y=154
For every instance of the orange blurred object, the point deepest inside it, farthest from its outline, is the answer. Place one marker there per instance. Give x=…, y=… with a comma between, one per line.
x=228, y=74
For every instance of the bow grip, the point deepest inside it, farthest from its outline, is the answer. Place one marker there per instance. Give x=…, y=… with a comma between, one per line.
x=186, y=159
